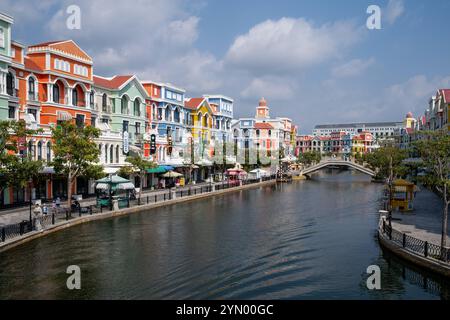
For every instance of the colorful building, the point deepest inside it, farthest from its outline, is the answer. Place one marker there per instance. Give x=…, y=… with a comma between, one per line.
x=6, y=53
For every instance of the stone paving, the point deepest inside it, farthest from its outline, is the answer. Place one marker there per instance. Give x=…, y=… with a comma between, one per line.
x=18, y=214
x=425, y=221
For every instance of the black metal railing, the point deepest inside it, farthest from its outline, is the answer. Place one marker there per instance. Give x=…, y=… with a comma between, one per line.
x=62, y=214
x=418, y=246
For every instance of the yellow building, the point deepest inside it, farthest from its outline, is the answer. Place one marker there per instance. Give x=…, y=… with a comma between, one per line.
x=202, y=120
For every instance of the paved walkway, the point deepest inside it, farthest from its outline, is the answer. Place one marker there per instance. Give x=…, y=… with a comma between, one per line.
x=425, y=221
x=18, y=214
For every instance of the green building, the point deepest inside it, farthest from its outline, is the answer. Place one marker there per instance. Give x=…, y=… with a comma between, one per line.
x=5, y=60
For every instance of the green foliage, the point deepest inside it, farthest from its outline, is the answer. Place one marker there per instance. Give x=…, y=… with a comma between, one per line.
x=75, y=153
x=139, y=164
x=74, y=148
x=16, y=171
x=380, y=161
x=434, y=150
x=310, y=157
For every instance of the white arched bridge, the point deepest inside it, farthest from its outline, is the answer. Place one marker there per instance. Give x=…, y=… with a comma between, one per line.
x=337, y=163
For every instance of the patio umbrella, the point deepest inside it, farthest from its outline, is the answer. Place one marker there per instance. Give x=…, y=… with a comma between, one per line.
x=172, y=174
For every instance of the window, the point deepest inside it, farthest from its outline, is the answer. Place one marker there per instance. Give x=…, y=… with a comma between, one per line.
x=111, y=154
x=49, y=152
x=93, y=120
x=104, y=104
x=34, y=113
x=117, y=154
x=125, y=126
x=2, y=38
x=31, y=150
x=80, y=121
x=167, y=114
x=31, y=89
x=10, y=84
x=11, y=112
x=138, y=128
x=124, y=106
x=39, y=150
x=56, y=93
x=176, y=115
x=137, y=108
x=74, y=97
x=91, y=99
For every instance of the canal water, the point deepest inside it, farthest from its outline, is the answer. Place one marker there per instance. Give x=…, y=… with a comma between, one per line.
x=306, y=240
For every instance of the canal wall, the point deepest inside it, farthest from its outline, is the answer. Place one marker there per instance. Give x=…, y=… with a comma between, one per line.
x=127, y=211
x=432, y=264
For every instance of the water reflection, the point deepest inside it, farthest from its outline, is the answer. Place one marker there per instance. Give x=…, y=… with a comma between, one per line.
x=306, y=240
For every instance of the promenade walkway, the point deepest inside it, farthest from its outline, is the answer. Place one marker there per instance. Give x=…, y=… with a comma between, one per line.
x=425, y=221
x=17, y=215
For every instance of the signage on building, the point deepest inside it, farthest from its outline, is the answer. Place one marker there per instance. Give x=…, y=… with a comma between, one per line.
x=126, y=142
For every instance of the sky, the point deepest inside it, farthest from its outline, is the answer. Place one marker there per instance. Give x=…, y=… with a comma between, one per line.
x=315, y=62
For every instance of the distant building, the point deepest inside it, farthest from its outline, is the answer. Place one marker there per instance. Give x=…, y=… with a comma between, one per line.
x=379, y=130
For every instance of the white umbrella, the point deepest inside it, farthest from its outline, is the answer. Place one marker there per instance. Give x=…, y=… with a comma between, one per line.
x=172, y=174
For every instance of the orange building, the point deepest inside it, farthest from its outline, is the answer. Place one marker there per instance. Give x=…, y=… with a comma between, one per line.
x=51, y=83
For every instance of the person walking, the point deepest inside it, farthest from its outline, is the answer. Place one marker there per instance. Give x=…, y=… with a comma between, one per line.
x=58, y=202
x=37, y=215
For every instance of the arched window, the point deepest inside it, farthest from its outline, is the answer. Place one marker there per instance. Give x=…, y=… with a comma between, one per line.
x=117, y=154
x=91, y=99
x=176, y=115
x=137, y=108
x=56, y=93
x=205, y=120
x=104, y=100
x=167, y=114
x=31, y=150
x=106, y=153
x=257, y=132
x=124, y=106
x=31, y=89
x=74, y=97
x=39, y=150
x=111, y=154
x=49, y=151
x=10, y=85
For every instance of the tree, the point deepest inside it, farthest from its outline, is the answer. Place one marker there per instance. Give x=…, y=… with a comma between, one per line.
x=140, y=165
x=434, y=150
x=15, y=171
x=75, y=153
x=308, y=158
x=387, y=162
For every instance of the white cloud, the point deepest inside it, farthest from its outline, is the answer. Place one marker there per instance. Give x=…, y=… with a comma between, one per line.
x=269, y=87
x=352, y=68
x=394, y=10
x=288, y=44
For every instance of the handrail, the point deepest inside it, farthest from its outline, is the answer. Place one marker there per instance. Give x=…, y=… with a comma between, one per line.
x=421, y=247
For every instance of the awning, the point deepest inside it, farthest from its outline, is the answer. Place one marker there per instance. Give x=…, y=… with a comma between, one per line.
x=101, y=186
x=125, y=186
x=159, y=169
x=64, y=116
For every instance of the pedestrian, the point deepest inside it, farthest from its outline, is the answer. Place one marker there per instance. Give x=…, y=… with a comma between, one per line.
x=54, y=206
x=58, y=202
x=37, y=215
x=45, y=209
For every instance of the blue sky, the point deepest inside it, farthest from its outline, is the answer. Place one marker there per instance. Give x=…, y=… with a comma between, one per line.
x=314, y=61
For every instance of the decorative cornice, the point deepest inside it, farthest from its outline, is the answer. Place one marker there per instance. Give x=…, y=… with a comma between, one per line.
x=60, y=53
